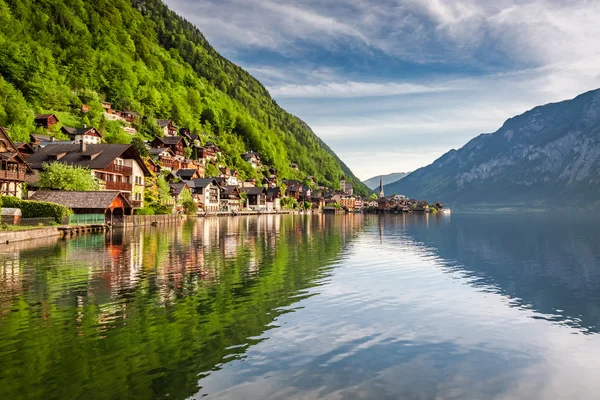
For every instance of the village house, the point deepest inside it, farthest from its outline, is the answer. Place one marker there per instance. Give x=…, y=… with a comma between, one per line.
x=117, y=166
x=230, y=198
x=347, y=202
x=35, y=139
x=163, y=156
x=230, y=175
x=45, y=120
x=273, y=199
x=112, y=204
x=293, y=188
x=206, y=192
x=25, y=149
x=256, y=198
x=88, y=135
x=253, y=158
x=167, y=126
x=13, y=168
x=209, y=152
x=176, y=143
x=176, y=190
x=130, y=116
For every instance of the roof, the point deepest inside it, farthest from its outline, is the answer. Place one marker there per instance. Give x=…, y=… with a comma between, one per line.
x=74, y=200
x=45, y=116
x=101, y=155
x=83, y=131
x=177, y=188
x=68, y=130
x=40, y=138
x=186, y=173
x=162, y=122
x=203, y=182
x=13, y=151
x=273, y=193
x=228, y=190
x=155, y=151
x=253, y=190
x=170, y=140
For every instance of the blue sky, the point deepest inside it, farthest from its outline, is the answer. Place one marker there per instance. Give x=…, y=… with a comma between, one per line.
x=391, y=85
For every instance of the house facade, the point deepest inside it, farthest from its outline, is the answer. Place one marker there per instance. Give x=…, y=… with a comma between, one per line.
x=85, y=134
x=13, y=168
x=46, y=120
x=256, y=198
x=117, y=166
x=167, y=126
x=206, y=193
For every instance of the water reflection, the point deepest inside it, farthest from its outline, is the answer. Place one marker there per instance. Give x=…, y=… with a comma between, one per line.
x=143, y=314
x=295, y=307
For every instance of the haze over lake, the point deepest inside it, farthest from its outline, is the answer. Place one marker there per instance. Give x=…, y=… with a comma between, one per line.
x=468, y=306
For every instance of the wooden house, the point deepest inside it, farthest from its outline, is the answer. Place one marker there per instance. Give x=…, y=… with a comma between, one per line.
x=13, y=167
x=176, y=143
x=230, y=198
x=88, y=135
x=256, y=197
x=207, y=193
x=46, y=120
x=167, y=126
x=117, y=166
x=113, y=204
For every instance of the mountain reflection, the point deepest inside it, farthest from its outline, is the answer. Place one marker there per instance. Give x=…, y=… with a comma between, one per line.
x=145, y=313
x=543, y=262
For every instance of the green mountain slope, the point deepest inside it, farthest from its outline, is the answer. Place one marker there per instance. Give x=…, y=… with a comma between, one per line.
x=140, y=56
x=547, y=157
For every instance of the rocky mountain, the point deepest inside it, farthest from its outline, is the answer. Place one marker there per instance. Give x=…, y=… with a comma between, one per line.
x=547, y=157
x=373, y=183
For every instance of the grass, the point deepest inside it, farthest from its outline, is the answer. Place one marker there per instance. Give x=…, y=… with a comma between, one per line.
x=16, y=228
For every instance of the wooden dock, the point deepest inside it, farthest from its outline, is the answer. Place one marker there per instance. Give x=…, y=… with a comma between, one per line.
x=68, y=231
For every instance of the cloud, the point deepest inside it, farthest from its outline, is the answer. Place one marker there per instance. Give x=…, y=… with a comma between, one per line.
x=393, y=77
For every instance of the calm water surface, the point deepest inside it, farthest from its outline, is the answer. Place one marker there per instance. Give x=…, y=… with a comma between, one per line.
x=302, y=307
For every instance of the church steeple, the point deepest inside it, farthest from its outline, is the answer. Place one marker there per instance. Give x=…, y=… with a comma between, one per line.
x=381, y=194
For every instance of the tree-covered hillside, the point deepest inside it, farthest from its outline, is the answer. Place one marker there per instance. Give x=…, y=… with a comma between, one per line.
x=56, y=55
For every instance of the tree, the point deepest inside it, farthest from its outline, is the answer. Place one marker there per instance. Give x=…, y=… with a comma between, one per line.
x=164, y=191
x=373, y=196
x=187, y=152
x=138, y=144
x=59, y=176
x=189, y=205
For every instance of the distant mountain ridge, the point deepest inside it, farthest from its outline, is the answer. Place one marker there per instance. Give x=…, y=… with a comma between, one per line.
x=546, y=157
x=373, y=183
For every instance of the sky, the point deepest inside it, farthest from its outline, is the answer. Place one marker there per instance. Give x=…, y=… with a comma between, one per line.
x=391, y=85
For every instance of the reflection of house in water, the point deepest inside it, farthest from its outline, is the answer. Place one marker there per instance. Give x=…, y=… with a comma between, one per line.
x=10, y=280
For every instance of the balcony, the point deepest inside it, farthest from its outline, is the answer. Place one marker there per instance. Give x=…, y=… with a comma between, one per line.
x=121, y=186
x=119, y=169
x=12, y=175
x=136, y=203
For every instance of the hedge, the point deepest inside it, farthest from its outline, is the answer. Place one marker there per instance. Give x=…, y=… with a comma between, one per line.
x=37, y=209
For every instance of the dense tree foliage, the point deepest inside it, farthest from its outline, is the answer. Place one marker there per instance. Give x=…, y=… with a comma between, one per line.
x=56, y=55
x=59, y=176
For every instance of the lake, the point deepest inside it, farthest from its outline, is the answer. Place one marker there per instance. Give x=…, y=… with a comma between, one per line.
x=467, y=306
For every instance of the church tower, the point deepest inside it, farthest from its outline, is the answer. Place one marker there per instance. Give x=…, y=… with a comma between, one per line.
x=381, y=194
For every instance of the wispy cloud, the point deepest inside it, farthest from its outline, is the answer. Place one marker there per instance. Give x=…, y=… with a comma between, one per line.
x=389, y=76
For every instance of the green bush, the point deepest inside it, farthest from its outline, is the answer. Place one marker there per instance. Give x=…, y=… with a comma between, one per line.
x=144, y=211
x=37, y=209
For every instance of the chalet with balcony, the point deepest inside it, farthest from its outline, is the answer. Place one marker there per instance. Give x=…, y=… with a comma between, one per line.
x=167, y=126
x=88, y=135
x=46, y=120
x=176, y=143
x=293, y=188
x=13, y=168
x=230, y=198
x=253, y=158
x=230, y=175
x=130, y=116
x=164, y=157
x=117, y=166
x=206, y=192
x=209, y=152
x=256, y=197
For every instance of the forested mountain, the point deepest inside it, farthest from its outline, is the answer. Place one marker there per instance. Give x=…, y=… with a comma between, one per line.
x=373, y=183
x=546, y=157
x=56, y=55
